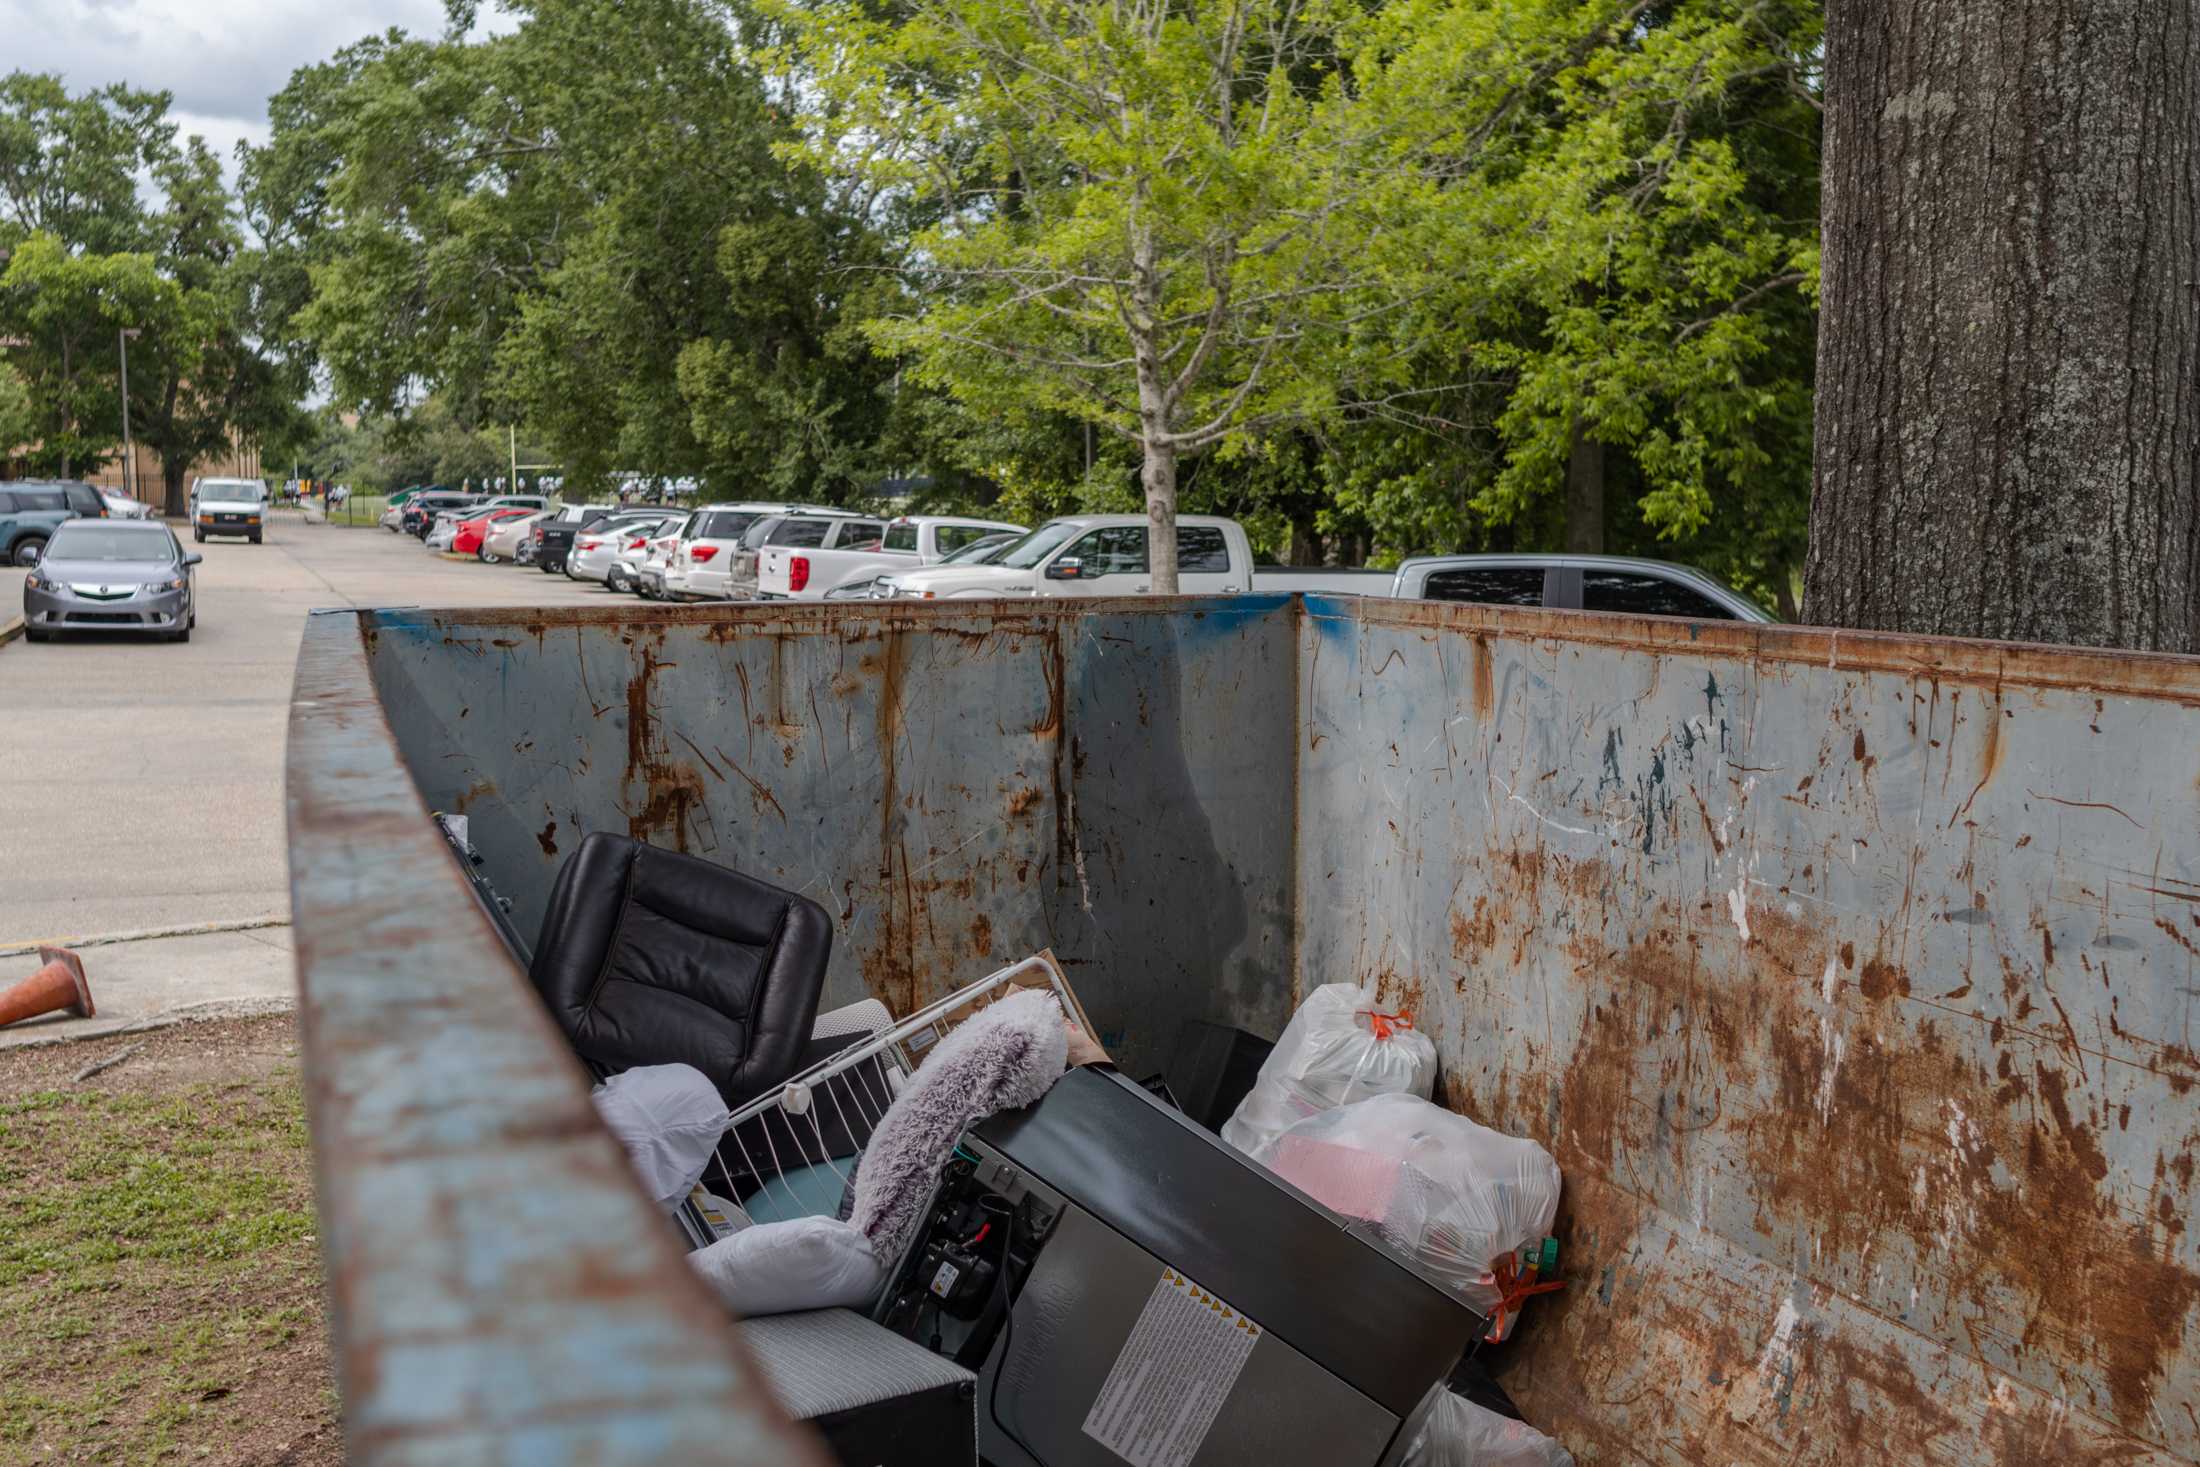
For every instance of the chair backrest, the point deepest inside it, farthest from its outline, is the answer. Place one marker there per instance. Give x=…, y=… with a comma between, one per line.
x=650, y=957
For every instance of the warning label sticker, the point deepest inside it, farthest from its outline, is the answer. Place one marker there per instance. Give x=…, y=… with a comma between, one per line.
x=1171, y=1379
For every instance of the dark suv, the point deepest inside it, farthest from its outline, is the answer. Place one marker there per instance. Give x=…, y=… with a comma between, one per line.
x=30, y=508
x=421, y=510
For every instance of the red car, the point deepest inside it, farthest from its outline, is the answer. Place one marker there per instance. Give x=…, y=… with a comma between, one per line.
x=467, y=540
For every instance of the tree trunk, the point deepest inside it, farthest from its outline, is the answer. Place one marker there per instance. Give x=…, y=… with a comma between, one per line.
x=1157, y=473
x=1158, y=476
x=2008, y=423
x=171, y=483
x=1584, y=493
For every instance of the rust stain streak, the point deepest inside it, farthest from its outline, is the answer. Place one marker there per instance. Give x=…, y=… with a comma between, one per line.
x=2083, y=805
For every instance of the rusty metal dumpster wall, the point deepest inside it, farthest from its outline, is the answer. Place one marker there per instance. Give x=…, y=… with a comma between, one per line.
x=1852, y=979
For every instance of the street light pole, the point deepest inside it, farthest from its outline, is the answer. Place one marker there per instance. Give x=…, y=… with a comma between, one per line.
x=130, y=485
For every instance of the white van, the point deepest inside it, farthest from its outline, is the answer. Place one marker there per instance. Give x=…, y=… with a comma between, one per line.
x=228, y=507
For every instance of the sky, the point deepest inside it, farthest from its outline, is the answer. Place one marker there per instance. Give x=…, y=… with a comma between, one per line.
x=221, y=58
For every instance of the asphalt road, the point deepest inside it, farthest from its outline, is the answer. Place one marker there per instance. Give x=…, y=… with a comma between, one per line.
x=143, y=780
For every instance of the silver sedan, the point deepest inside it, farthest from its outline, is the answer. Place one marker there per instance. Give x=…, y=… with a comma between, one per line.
x=111, y=576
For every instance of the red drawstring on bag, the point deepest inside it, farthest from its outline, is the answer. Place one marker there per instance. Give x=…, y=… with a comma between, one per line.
x=1513, y=1289
x=1385, y=1025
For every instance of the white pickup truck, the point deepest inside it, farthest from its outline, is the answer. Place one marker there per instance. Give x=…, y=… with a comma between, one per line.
x=801, y=573
x=1105, y=555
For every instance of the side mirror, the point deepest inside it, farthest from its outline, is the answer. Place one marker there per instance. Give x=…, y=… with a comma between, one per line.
x=36, y=552
x=1067, y=568
x=192, y=557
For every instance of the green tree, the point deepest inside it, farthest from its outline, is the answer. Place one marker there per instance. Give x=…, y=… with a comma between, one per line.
x=1660, y=332
x=18, y=414
x=573, y=225
x=69, y=165
x=1186, y=225
x=62, y=315
x=198, y=382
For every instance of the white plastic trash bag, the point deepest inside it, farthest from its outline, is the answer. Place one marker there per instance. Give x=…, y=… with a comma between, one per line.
x=1452, y=1195
x=1340, y=1046
x=781, y=1267
x=669, y=1118
x=1459, y=1433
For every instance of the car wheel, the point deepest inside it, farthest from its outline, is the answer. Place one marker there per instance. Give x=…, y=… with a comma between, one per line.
x=33, y=634
x=482, y=554
x=255, y=539
x=199, y=535
x=28, y=549
x=183, y=635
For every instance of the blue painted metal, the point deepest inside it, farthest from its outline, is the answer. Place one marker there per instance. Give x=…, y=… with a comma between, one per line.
x=500, y=1289
x=1851, y=978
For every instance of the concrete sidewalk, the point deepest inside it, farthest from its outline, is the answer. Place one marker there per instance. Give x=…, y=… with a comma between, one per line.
x=151, y=981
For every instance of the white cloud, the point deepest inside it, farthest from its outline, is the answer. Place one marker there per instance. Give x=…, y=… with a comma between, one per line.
x=222, y=59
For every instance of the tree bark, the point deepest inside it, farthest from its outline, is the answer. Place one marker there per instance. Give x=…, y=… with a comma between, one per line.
x=2008, y=424
x=1158, y=476
x=1584, y=493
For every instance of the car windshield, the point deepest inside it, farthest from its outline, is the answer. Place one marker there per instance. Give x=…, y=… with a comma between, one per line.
x=110, y=542
x=232, y=489
x=1038, y=545
x=980, y=552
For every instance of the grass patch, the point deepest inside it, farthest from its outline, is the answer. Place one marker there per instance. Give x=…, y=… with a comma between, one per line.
x=361, y=511
x=158, y=1271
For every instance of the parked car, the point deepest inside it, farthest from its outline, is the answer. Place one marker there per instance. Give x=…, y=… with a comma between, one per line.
x=443, y=529
x=516, y=501
x=111, y=576
x=632, y=549
x=474, y=535
x=29, y=513
x=649, y=570
x=421, y=511
x=876, y=587
x=229, y=507
x=701, y=566
x=1576, y=583
x=511, y=539
x=803, y=531
x=810, y=573
x=77, y=496
x=596, y=548
x=1105, y=555
x=554, y=536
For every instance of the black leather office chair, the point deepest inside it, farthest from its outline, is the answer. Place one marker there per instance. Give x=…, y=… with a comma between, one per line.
x=649, y=957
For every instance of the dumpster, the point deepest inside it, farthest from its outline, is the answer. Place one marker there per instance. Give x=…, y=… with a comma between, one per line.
x=1852, y=979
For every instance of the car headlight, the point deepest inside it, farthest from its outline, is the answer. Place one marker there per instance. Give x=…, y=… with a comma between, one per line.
x=155, y=588
x=32, y=582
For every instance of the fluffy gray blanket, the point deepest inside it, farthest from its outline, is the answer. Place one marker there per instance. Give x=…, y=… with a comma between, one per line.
x=1007, y=1055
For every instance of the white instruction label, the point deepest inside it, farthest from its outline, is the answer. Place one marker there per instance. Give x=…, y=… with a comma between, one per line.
x=1173, y=1375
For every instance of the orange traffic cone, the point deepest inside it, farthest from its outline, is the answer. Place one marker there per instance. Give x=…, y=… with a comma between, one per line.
x=58, y=985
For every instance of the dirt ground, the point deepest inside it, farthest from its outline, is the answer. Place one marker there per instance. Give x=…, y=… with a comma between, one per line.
x=160, y=1281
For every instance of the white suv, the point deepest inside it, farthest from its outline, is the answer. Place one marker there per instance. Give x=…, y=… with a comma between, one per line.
x=700, y=566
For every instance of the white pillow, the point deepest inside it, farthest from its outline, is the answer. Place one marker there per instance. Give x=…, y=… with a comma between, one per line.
x=781, y=1267
x=669, y=1118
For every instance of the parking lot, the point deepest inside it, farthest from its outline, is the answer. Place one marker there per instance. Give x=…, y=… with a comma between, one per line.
x=144, y=779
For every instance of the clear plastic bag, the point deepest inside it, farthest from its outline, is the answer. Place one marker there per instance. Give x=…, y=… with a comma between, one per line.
x=1340, y=1046
x=1455, y=1196
x=1459, y=1433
